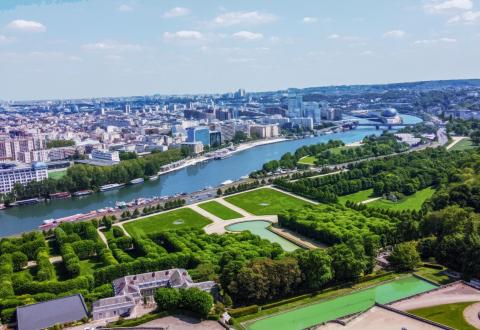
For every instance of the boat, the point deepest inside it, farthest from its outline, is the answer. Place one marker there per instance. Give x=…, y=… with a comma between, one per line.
x=226, y=182
x=26, y=202
x=153, y=178
x=137, y=181
x=2, y=207
x=82, y=193
x=244, y=177
x=60, y=195
x=111, y=186
x=120, y=205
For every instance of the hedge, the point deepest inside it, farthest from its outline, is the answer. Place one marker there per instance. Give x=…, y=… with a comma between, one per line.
x=46, y=271
x=56, y=287
x=433, y=266
x=242, y=311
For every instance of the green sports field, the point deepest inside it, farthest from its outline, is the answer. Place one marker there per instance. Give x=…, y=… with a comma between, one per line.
x=57, y=174
x=450, y=315
x=413, y=202
x=356, y=197
x=177, y=219
x=266, y=201
x=308, y=316
x=307, y=160
x=220, y=210
x=464, y=144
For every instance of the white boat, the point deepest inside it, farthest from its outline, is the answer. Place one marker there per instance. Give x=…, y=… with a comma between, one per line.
x=121, y=205
x=137, y=181
x=224, y=183
x=153, y=178
x=111, y=186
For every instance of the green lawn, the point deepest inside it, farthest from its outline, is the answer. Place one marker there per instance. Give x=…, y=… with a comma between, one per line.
x=464, y=144
x=307, y=160
x=266, y=201
x=220, y=210
x=434, y=275
x=413, y=202
x=56, y=175
x=87, y=267
x=450, y=315
x=177, y=219
x=356, y=197
x=108, y=234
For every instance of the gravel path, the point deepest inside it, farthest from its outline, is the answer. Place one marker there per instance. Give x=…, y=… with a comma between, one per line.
x=471, y=315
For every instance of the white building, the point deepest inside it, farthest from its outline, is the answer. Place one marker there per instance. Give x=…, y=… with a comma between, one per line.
x=105, y=155
x=294, y=103
x=303, y=122
x=11, y=174
x=264, y=131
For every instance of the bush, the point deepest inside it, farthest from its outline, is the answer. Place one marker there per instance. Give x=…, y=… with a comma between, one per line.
x=433, y=266
x=9, y=315
x=242, y=311
x=404, y=257
x=19, y=260
x=117, y=232
x=197, y=301
x=167, y=299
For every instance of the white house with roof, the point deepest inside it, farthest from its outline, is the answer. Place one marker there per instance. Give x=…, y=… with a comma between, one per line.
x=130, y=291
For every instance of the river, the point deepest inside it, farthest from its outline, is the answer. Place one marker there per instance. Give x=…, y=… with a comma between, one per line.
x=16, y=220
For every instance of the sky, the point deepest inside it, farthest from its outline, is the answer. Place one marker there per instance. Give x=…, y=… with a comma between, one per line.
x=54, y=49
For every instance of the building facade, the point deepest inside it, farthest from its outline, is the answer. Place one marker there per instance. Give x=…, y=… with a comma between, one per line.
x=198, y=134
x=105, y=155
x=11, y=174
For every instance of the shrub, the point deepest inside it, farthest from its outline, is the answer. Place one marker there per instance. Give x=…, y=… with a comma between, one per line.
x=167, y=299
x=242, y=311
x=19, y=260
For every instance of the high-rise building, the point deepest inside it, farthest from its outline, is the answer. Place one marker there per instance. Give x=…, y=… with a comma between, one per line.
x=199, y=134
x=215, y=138
x=312, y=110
x=127, y=109
x=11, y=174
x=295, y=100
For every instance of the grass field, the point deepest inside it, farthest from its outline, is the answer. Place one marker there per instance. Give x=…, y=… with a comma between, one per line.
x=413, y=202
x=220, y=210
x=177, y=219
x=450, y=315
x=357, y=197
x=464, y=144
x=265, y=201
x=307, y=160
x=434, y=275
x=87, y=267
x=323, y=311
x=57, y=174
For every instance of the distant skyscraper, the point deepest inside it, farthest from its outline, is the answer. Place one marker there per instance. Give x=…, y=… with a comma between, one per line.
x=127, y=109
x=312, y=110
x=294, y=103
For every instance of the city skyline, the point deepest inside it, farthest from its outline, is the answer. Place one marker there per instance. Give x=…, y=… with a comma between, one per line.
x=79, y=49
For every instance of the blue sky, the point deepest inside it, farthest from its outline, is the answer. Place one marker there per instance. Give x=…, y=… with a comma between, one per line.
x=91, y=48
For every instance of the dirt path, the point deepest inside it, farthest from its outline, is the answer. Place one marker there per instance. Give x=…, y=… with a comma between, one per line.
x=471, y=315
x=102, y=236
x=370, y=200
x=455, y=139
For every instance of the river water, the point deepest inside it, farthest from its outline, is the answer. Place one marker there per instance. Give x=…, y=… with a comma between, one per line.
x=24, y=218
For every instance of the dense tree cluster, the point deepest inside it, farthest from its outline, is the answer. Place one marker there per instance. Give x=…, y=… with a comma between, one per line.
x=193, y=300
x=60, y=143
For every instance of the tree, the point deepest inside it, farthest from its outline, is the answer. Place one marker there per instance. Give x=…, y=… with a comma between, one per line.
x=346, y=265
x=316, y=268
x=19, y=260
x=197, y=301
x=167, y=299
x=404, y=257
x=475, y=136
x=107, y=222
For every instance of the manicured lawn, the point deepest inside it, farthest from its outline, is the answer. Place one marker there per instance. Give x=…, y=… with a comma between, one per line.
x=434, y=275
x=413, y=202
x=464, y=144
x=357, y=197
x=87, y=267
x=108, y=234
x=450, y=315
x=266, y=201
x=307, y=160
x=220, y=210
x=57, y=174
x=177, y=219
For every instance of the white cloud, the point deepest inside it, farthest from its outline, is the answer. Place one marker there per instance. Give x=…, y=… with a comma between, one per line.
x=445, y=6
x=367, y=53
x=394, y=34
x=333, y=36
x=125, y=8
x=26, y=26
x=309, y=20
x=244, y=18
x=434, y=41
x=5, y=39
x=182, y=36
x=177, y=12
x=110, y=45
x=247, y=35
x=468, y=17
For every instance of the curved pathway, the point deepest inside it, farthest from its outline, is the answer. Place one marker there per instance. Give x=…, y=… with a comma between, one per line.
x=472, y=316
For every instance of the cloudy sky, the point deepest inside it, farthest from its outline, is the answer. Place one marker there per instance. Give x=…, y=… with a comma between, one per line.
x=90, y=48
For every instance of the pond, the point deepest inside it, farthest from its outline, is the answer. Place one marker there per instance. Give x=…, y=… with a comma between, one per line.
x=260, y=228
